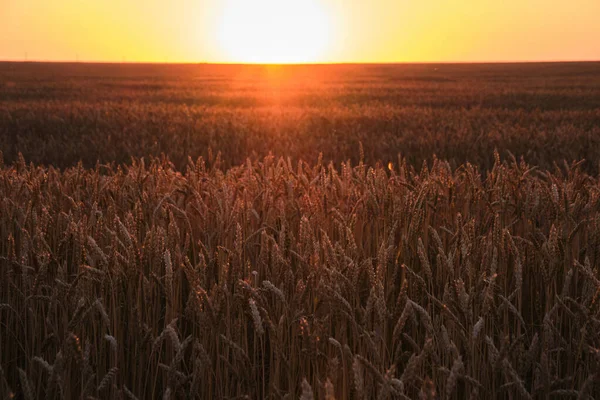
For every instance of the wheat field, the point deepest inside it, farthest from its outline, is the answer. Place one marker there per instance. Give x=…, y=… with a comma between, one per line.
x=387, y=278
x=60, y=114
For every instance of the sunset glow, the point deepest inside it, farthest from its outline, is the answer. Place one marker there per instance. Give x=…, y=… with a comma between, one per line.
x=274, y=31
x=298, y=31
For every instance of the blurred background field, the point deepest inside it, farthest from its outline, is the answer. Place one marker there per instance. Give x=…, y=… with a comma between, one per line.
x=60, y=114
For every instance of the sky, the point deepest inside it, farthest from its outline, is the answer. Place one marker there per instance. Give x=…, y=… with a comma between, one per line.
x=300, y=30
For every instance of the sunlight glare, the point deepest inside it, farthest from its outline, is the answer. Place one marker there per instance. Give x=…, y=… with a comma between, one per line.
x=274, y=31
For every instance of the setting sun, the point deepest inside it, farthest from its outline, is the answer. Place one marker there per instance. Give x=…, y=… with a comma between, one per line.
x=298, y=31
x=274, y=31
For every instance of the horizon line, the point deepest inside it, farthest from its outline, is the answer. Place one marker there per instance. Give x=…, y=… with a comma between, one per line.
x=225, y=63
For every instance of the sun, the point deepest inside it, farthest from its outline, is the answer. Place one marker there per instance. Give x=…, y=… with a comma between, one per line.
x=274, y=31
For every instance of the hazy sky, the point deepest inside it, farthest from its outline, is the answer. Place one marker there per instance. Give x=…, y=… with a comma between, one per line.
x=300, y=30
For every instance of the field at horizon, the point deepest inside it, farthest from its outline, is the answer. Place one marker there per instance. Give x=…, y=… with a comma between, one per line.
x=60, y=114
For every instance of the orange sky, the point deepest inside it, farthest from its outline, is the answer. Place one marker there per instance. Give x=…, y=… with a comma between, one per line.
x=300, y=30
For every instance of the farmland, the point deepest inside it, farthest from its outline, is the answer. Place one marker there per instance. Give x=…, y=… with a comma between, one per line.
x=348, y=232
x=60, y=114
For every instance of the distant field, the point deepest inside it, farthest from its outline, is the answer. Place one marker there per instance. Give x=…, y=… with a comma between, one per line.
x=62, y=113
